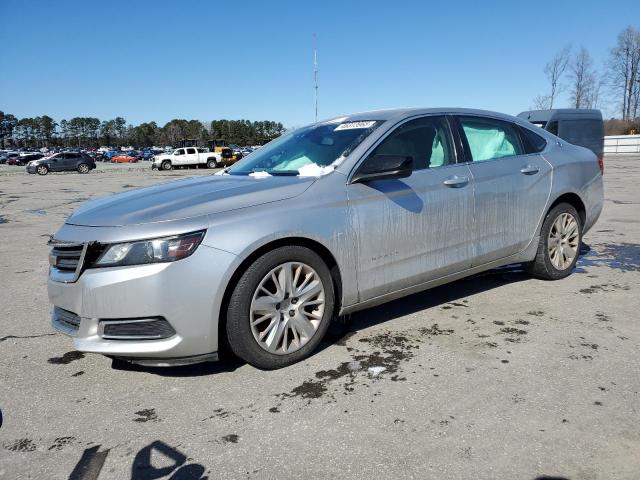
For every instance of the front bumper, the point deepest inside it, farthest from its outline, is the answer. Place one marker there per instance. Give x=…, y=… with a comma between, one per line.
x=187, y=293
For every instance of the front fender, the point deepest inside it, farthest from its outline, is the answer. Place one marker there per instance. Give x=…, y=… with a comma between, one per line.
x=319, y=215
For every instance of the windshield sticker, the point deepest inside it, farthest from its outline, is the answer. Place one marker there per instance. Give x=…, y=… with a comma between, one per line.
x=352, y=125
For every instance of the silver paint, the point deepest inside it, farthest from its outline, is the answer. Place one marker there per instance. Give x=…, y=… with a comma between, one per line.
x=388, y=238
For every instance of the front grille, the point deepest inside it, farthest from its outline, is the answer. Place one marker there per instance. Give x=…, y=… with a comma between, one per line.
x=66, y=260
x=66, y=257
x=137, y=329
x=65, y=321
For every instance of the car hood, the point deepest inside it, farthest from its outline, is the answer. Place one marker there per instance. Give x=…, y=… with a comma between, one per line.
x=186, y=198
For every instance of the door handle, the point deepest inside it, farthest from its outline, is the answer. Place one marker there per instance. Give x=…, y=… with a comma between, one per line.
x=456, y=181
x=529, y=170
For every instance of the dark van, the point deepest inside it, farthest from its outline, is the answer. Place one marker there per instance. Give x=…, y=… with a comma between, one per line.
x=583, y=127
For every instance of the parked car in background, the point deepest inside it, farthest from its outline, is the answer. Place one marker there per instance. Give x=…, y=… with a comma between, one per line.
x=583, y=127
x=328, y=219
x=25, y=158
x=147, y=154
x=134, y=153
x=62, y=162
x=187, y=157
x=109, y=154
x=9, y=158
x=124, y=158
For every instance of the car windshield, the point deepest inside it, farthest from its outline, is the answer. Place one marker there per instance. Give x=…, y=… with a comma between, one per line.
x=318, y=145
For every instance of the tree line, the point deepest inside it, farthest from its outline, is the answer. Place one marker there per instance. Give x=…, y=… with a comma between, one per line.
x=85, y=132
x=616, y=82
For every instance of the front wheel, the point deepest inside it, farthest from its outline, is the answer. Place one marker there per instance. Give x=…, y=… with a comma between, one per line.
x=280, y=308
x=83, y=168
x=559, y=244
x=42, y=169
x=166, y=165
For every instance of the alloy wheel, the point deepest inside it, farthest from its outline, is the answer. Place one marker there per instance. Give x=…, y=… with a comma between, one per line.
x=287, y=308
x=563, y=241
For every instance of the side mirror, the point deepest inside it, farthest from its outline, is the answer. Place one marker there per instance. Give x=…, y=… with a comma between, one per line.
x=382, y=167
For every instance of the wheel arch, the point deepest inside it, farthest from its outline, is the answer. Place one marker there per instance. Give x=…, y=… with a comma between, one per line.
x=313, y=245
x=574, y=200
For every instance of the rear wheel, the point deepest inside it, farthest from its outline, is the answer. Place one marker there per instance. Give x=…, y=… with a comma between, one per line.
x=211, y=163
x=83, y=168
x=166, y=165
x=559, y=244
x=42, y=169
x=280, y=308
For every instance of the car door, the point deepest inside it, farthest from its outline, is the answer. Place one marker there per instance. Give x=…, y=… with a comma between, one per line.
x=511, y=185
x=56, y=163
x=70, y=161
x=179, y=157
x=412, y=230
x=191, y=156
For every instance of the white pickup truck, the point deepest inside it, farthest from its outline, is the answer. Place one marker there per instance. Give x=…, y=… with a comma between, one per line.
x=187, y=157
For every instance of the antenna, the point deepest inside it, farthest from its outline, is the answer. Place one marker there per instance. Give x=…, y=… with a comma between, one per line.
x=315, y=76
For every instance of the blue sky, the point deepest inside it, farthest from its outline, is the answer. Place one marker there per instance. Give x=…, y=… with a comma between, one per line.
x=158, y=60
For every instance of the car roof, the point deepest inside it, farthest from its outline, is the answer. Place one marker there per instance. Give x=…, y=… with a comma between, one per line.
x=402, y=113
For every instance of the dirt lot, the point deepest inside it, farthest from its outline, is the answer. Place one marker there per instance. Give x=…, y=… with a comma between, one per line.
x=494, y=377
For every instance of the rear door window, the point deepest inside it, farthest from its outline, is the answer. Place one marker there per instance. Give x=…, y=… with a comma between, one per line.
x=533, y=143
x=191, y=151
x=489, y=138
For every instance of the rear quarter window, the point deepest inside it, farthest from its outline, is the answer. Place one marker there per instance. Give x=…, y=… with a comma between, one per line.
x=533, y=143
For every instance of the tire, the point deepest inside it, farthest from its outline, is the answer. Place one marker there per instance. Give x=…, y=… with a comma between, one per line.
x=567, y=242
x=83, y=168
x=42, y=169
x=211, y=163
x=166, y=165
x=303, y=323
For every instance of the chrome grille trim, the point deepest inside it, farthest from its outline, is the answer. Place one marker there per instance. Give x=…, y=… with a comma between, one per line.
x=66, y=260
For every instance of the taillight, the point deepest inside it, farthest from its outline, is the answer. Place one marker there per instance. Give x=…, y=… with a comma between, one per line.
x=601, y=164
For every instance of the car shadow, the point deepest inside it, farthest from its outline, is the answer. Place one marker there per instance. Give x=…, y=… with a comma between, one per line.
x=344, y=327
x=399, y=193
x=227, y=363
x=434, y=297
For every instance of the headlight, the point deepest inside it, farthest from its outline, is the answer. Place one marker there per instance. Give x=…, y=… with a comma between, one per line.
x=157, y=250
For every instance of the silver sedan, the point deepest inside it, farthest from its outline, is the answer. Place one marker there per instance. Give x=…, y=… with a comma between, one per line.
x=323, y=221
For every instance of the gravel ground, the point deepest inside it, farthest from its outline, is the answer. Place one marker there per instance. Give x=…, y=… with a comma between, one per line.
x=493, y=377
